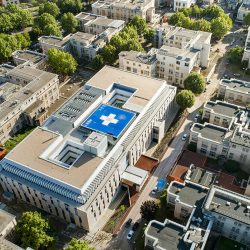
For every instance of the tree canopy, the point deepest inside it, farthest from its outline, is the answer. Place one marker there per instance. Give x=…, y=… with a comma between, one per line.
x=61, y=62
x=79, y=245
x=46, y=25
x=235, y=54
x=50, y=8
x=73, y=6
x=195, y=82
x=211, y=19
x=98, y=62
x=139, y=24
x=246, y=19
x=185, y=99
x=148, y=210
x=32, y=230
x=69, y=23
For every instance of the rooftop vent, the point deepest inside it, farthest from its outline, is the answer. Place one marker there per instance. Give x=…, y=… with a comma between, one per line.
x=228, y=203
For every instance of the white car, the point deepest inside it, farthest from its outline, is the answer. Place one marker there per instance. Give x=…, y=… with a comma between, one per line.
x=184, y=137
x=154, y=191
x=130, y=235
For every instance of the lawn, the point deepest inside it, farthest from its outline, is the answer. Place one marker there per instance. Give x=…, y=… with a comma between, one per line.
x=226, y=244
x=12, y=142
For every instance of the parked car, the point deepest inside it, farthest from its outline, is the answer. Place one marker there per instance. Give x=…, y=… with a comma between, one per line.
x=128, y=223
x=237, y=75
x=135, y=226
x=130, y=235
x=197, y=116
x=184, y=137
x=155, y=190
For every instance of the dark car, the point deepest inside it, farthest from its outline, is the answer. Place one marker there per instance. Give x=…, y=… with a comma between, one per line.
x=135, y=226
x=128, y=223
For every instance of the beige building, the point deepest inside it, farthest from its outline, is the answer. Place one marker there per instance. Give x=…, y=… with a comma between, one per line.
x=25, y=95
x=125, y=9
x=235, y=91
x=86, y=152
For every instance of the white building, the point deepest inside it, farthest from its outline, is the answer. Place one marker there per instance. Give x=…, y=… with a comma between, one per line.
x=180, y=4
x=243, y=10
x=74, y=166
x=125, y=9
x=235, y=91
x=7, y=2
x=246, y=55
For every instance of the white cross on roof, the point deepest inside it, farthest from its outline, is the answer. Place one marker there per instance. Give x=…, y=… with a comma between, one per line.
x=108, y=119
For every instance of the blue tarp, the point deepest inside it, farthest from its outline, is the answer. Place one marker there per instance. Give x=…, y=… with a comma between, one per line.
x=161, y=184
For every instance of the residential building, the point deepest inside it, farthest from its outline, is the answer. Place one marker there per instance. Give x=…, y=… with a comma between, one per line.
x=243, y=10
x=138, y=62
x=221, y=113
x=246, y=55
x=125, y=9
x=95, y=24
x=235, y=91
x=180, y=52
x=32, y=58
x=7, y=223
x=7, y=2
x=89, y=148
x=25, y=95
x=180, y=4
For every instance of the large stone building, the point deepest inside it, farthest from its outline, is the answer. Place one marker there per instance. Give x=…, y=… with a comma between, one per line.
x=88, y=149
x=125, y=9
x=25, y=95
x=180, y=52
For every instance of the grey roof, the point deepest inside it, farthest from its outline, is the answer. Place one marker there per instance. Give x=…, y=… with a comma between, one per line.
x=210, y=131
x=228, y=203
x=78, y=103
x=190, y=193
x=202, y=177
x=223, y=108
x=59, y=125
x=28, y=55
x=237, y=85
x=5, y=219
x=139, y=57
x=169, y=236
x=241, y=138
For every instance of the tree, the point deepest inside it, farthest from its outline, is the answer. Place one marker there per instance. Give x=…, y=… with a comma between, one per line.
x=50, y=8
x=61, y=62
x=149, y=35
x=176, y=18
x=202, y=25
x=79, y=245
x=140, y=24
x=74, y=6
x=185, y=99
x=213, y=11
x=109, y=54
x=148, y=210
x=69, y=22
x=246, y=19
x=195, y=82
x=98, y=62
x=235, y=54
x=32, y=230
x=5, y=23
x=220, y=26
x=46, y=25
x=232, y=166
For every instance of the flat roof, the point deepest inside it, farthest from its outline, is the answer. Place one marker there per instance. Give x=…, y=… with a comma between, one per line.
x=146, y=87
x=139, y=57
x=223, y=108
x=53, y=40
x=237, y=85
x=83, y=37
x=241, y=137
x=28, y=55
x=228, y=203
x=147, y=163
x=28, y=155
x=135, y=175
x=169, y=236
x=5, y=219
x=210, y=131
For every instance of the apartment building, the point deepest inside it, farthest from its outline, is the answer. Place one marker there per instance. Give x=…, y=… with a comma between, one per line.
x=243, y=10
x=246, y=54
x=125, y=9
x=235, y=91
x=180, y=4
x=7, y=2
x=138, y=62
x=31, y=58
x=25, y=95
x=180, y=52
x=95, y=24
x=88, y=149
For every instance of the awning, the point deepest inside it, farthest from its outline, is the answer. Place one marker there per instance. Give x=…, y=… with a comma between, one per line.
x=134, y=175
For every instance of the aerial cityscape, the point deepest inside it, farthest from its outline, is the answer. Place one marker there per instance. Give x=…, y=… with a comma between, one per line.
x=124, y=124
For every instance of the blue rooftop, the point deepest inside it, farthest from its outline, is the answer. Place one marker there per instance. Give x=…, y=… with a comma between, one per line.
x=108, y=120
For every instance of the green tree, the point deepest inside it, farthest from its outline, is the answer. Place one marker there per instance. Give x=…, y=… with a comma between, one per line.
x=149, y=35
x=61, y=62
x=196, y=11
x=73, y=6
x=140, y=24
x=33, y=231
x=185, y=99
x=246, y=19
x=232, y=166
x=195, y=82
x=46, y=25
x=109, y=54
x=213, y=11
x=148, y=210
x=79, y=245
x=5, y=23
x=235, y=54
x=50, y=8
x=69, y=22
x=202, y=25
x=178, y=17
x=134, y=45
x=220, y=26
x=98, y=62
